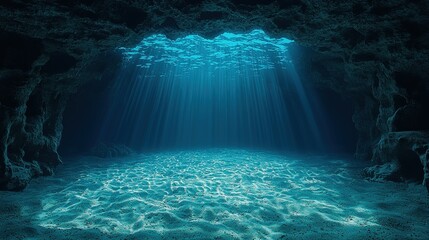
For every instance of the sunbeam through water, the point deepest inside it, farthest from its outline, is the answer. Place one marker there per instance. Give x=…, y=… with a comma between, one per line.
x=236, y=90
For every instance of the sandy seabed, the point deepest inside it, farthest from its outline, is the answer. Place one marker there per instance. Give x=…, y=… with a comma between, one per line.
x=214, y=194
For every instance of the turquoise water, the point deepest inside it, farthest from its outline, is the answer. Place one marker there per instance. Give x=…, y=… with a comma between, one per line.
x=213, y=194
x=228, y=51
x=236, y=90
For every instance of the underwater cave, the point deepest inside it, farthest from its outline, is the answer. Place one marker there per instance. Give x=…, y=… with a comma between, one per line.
x=214, y=119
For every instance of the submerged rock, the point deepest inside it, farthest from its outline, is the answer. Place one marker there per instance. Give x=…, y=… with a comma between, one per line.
x=401, y=156
x=385, y=172
x=111, y=150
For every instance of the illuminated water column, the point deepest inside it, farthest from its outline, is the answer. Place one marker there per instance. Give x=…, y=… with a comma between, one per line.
x=231, y=91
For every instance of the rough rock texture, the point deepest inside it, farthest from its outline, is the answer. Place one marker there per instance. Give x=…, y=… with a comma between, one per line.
x=403, y=156
x=373, y=51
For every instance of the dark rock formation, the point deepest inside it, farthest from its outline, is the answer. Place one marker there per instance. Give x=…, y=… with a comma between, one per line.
x=403, y=156
x=376, y=52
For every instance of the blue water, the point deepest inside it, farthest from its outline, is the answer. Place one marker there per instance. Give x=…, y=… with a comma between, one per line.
x=228, y=51
x=236, y=90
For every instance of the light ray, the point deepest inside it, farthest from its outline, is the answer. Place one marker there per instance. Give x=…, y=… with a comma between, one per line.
x=230, y=91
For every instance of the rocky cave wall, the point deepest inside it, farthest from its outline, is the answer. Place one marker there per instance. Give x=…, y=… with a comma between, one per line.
x=375, y=52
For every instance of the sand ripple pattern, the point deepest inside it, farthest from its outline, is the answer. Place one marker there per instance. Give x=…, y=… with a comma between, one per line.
x=217, y=194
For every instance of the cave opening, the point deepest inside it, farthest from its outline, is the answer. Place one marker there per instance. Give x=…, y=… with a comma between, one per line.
x=233, y=91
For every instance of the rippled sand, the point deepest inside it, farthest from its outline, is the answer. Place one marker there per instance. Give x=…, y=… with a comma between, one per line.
x=214, y=194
